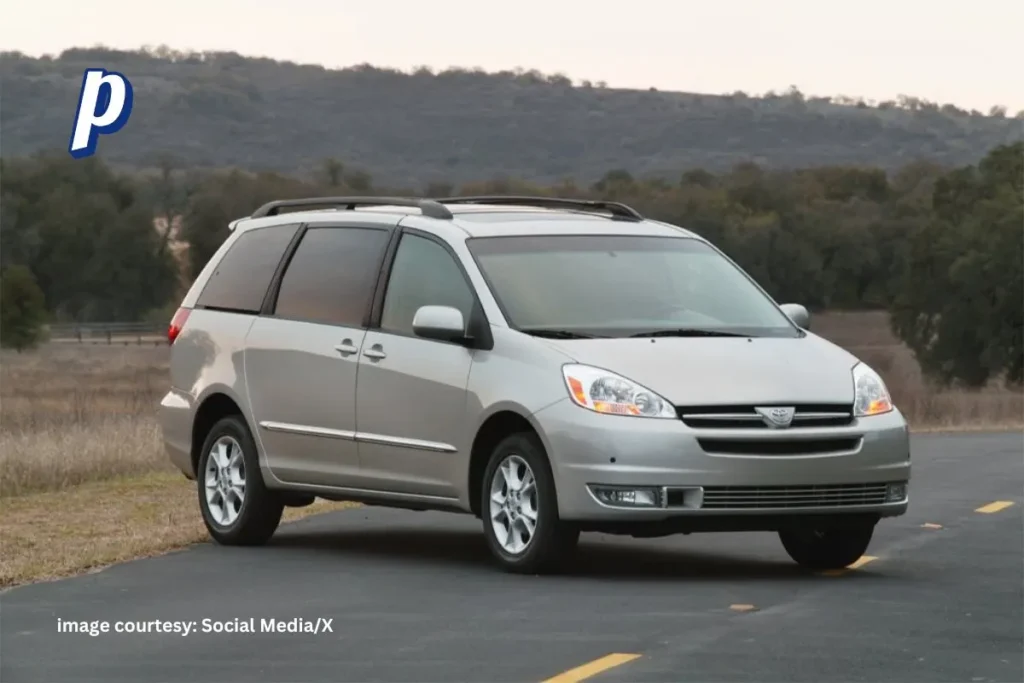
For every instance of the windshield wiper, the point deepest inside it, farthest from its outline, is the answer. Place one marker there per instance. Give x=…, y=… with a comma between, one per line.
x=559, y=334
x=688, y=332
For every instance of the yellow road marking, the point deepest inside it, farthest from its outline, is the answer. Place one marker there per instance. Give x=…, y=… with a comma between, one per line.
x=929, y=525
x=994, y=507
x=863, y=560
x=741, y=608
x=860, y=562
x=593, y=668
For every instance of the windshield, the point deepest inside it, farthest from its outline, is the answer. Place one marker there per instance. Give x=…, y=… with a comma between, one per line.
x=620, y=286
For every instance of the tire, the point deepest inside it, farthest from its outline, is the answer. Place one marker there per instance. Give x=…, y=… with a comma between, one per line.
x=828, y=548
x=261, y=509
x=552, y=540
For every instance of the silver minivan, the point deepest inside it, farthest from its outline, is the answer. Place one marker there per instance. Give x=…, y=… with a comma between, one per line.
x=551, y=366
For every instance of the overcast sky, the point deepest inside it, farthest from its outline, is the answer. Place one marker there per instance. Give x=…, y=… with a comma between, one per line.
x=967, y=53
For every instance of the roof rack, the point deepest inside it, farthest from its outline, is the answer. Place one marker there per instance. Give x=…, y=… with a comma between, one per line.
x=429, y=207
x=617, y=209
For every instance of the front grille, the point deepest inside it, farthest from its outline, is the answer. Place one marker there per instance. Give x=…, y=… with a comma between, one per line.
x=746, y=417
x=776, y=497
x=780, y=446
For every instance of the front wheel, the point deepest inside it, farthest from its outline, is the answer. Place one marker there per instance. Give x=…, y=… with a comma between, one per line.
x=827, y=548
x=520, y=508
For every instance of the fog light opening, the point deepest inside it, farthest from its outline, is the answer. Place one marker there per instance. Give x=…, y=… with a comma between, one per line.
x=896, y=493
x=623, y=496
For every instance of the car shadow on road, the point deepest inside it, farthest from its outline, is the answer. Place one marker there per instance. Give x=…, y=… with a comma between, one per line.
x=596, y=557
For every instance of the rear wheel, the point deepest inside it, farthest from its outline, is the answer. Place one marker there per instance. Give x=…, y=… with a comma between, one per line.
x=237, y=507
x=827, y=548
x=520, y=508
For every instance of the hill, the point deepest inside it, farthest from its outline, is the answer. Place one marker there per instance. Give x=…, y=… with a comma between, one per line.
x=222, y=109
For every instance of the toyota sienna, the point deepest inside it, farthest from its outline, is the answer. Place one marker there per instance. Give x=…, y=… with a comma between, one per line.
x=551, y=366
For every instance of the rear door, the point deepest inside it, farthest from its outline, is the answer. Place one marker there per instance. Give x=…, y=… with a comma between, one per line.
x=301, y=355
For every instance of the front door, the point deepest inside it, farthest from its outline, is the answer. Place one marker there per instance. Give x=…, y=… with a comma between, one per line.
x=411, y=391
x=301, y=359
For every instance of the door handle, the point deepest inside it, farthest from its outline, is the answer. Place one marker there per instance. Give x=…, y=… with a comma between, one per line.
x=375, y=352
x=346, y=347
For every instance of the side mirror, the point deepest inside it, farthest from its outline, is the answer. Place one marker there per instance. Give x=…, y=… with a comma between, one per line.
x=443, y=323
x=798, y=314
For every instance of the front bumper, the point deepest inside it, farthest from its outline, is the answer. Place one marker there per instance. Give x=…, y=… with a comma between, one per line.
x=593, y=453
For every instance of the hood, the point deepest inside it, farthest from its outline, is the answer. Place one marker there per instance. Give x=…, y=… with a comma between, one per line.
x=694, y=371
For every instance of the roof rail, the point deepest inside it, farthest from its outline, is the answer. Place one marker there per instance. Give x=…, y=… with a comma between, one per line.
x=429, y=207
x=617, y=209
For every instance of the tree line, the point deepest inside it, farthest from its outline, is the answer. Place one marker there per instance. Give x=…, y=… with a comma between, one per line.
x=940, y=248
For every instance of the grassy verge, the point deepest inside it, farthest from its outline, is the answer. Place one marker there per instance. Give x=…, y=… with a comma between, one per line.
x=57, y=458
x=57, y=534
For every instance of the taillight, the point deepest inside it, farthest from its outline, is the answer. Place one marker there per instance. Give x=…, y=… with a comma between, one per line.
x=177, y=323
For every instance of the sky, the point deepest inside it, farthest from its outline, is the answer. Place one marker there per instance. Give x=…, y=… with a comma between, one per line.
x=947, y=51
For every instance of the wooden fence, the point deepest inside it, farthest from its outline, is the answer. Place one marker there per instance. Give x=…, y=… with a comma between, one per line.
x=109, y=333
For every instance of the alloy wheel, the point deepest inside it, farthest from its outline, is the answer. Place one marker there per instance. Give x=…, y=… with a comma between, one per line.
x=513, y=504
x=225, y=481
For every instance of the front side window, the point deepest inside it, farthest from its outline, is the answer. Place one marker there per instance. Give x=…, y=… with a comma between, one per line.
x=331, y=276
x=622, y=286
x=424, y=274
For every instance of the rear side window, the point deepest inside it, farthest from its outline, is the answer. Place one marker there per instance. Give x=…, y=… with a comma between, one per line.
x=331, y=277
x=242, y=277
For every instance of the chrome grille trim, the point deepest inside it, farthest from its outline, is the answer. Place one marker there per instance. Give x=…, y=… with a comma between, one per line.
x=782, y=497
x=745, y=416
x=757, y=418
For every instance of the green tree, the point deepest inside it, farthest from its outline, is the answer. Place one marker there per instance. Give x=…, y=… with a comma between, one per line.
x=22, y=309
x=87, y=237
x=961, y=306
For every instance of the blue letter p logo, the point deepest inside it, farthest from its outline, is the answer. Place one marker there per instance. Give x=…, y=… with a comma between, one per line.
x=104, y=106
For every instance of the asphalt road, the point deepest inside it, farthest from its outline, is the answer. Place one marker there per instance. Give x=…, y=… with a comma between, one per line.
x=413, y=598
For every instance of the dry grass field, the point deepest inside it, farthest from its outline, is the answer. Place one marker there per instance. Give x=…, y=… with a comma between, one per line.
x=85, y=482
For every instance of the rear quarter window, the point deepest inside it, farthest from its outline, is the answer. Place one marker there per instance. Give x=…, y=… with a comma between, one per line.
x=241, y=279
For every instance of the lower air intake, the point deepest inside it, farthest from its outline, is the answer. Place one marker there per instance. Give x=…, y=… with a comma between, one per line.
x=776, y=497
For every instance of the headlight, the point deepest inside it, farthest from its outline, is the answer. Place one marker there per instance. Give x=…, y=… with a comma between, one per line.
x=870, y=397
x=605, y=392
